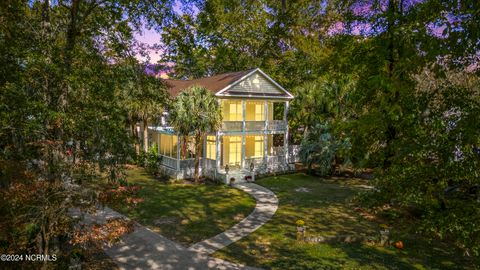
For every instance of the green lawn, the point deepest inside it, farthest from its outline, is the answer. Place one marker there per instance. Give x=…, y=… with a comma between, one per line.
x=186, y=213
x=327, y=211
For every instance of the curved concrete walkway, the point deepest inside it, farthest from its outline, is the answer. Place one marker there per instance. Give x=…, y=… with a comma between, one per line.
x=267, y=204
x=145, y=249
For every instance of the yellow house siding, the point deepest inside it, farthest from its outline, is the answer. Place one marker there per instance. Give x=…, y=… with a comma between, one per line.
x=168, y=145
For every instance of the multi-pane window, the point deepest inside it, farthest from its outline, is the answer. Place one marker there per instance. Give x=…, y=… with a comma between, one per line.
x=235, y=151
x=259, y=150
x=255, y=110
x=232, y=110
x=259, y=112
x=254, y=146
x=211, y=151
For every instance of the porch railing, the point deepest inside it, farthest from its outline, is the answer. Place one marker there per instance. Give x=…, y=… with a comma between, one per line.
x=293, y=151
x=277, y=151
x=209, y=163
x=256, y=161
x=273, y=160
x=168, y=162
x=188, y=163
x=184, y=163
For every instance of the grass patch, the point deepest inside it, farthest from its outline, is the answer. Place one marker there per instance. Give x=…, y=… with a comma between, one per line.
x=326, y=208
x=185, y=213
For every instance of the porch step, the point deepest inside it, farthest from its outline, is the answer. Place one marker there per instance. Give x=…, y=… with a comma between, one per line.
x=238, y=175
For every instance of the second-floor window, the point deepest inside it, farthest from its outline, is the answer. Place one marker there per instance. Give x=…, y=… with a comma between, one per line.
x=232, y=110
x=255, y=111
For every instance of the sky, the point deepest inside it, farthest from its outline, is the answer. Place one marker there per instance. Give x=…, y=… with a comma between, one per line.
x=152, y=37
x=149, y=37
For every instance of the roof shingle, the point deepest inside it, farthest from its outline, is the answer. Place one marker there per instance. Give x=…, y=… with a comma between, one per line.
x=213, y=83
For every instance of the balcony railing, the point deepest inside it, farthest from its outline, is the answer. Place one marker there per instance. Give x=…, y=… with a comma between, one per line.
x=277, y=125
x=273, y=125
x=232, y=125
x=254, y=125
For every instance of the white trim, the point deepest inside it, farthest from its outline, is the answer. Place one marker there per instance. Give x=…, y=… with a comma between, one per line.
x=256, y=97
x=236, y=82
x=275, y=83
x=290, y=96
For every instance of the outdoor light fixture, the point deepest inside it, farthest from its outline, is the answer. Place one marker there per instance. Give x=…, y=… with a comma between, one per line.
x=226, y=169
x=252, y=166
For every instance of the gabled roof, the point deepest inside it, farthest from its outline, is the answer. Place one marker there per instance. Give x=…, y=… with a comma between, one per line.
x=214, y=83
x=220, y=84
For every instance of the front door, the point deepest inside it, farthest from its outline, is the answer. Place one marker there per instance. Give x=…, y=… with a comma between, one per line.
x=235, y=151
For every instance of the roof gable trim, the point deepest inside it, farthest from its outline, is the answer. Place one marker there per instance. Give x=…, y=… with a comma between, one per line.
x=220, y=93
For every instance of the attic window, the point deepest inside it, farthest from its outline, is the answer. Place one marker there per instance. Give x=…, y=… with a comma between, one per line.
x=255, y=81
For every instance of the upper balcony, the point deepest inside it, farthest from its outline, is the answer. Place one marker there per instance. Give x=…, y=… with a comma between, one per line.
x=253, y=115
x=271, y=125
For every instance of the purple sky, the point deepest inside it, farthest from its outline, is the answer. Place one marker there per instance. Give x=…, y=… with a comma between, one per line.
x=149, y=37
x=152, y=37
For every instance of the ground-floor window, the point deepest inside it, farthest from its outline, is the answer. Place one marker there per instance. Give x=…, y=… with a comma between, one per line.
x=211, y=151
x=254, y=146
x=168, y=145
x=232, y=150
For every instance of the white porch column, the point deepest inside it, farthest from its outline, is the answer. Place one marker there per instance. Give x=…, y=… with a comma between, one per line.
x=179, y=147
x=285, y=140
x=244, y=115
x=217, y=152
x=243, y=150
x=265, y=147
x=265, y=136
x=204, y=155
x=266, y=113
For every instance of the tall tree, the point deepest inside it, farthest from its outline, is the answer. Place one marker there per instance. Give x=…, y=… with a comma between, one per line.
x=196, y=112
x=142, y=95
x=60, y=112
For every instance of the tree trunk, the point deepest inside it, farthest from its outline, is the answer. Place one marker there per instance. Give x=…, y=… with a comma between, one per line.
x=135, y=138
x=198, y=154
x=71, y=34
x=184, y=146
x=145, y=135
x=45, y=243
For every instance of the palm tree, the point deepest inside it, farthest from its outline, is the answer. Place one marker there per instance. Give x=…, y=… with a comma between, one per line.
x=143, y=97
x=153, y=100
x=195, y=112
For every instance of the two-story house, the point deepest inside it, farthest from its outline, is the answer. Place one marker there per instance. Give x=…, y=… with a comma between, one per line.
x=254, y=129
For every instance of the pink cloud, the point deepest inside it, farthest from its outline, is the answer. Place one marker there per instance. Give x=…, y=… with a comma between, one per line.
x=148, y=40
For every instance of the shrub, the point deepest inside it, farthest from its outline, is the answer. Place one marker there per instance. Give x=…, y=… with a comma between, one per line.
x=320, y=147
x=151, y=160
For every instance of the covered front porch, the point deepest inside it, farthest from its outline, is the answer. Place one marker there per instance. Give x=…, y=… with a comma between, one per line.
x=236, y=152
